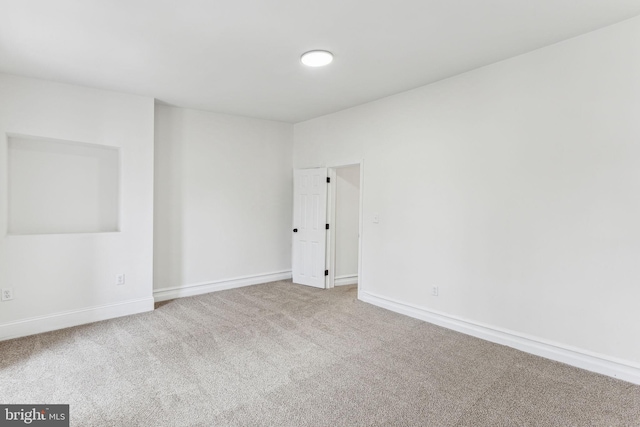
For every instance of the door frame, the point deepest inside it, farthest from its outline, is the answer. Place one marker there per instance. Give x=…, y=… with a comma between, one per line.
x=330, y=258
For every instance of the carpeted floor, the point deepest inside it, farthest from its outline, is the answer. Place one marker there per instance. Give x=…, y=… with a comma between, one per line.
x=286, y=355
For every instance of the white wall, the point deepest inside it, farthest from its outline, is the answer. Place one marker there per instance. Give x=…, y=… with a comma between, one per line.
x=62, y=275
x=347, y=223
x=223, y=201
x=515, y=188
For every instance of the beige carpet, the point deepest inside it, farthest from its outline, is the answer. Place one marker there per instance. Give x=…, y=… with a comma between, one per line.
x=287, y=355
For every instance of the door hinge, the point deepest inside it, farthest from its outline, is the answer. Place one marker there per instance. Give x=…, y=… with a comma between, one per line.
x=326, y=226
x=328, y=180
x=326, y=272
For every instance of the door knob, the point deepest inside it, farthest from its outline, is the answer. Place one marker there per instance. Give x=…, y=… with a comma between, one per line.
x=295, y=230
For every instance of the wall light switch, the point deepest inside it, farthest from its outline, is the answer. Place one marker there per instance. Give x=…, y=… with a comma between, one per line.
x=376, y=218
x=7, y=294
x=120, y=279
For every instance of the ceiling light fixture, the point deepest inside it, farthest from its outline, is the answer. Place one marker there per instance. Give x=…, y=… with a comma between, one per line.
x=316, y=58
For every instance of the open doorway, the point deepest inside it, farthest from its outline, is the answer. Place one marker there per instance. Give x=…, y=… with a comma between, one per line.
x=344, y=233
x=327, y=226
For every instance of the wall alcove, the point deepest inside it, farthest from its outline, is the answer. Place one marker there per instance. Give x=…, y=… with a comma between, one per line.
x=60, y=187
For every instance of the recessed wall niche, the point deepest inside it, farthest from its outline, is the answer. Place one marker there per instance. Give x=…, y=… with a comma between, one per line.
x=58, y=187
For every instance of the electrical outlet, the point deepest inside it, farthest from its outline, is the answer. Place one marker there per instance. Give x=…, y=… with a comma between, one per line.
x=434, y=291
x=7, y=294
x=120, y=279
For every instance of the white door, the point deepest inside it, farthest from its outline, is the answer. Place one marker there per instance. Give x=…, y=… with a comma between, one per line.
x=309, y=232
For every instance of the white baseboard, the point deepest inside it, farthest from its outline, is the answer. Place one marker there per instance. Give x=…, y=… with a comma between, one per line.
x=349, y=279
x=219, y=285
x=621, y=369
x=66, y=319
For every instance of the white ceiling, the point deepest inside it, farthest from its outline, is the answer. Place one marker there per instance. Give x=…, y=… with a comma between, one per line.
x=242, y=56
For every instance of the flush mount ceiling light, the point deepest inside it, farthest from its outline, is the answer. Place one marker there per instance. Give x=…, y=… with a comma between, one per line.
x=316, y=58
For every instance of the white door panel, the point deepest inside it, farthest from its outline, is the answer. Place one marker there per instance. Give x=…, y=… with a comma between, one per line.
x=309, y=219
